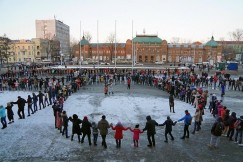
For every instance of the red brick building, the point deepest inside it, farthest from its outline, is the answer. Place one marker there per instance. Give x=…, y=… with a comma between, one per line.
x=149, y=49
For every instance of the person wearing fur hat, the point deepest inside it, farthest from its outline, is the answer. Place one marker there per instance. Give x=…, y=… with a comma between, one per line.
x=10, y=112
x=103, y=126
x=119, y=133
x=76, y=126
x=86, y=129
x=3, y=116
x=187, y=122
x=168, y=128
x=150, y=128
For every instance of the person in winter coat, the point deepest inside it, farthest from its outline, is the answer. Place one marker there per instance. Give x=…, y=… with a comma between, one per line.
x=103, y=126
x=76, y=126
x=95, y=132
x=187, y=122
x=35, y=100
x=59, y=119
x=216, y=132
x=197, y=121
x=21, y=103
x=41, y=98
x=226, y=121
x=136, y=132
x=128, y=83
x=46, y=98
x=86, y=129
x=55, y=107
x=3, y=117
x=150, y=128
x=232, y=121
x=168, y=128
x=10, y=112
x=239, y=131
x=65, y=120
x=171, y=103
x=119, y=133
x=29, y=102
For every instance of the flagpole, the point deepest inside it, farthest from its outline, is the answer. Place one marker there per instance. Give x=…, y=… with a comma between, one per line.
x=132, y=47
x=115, y=44
x=80, y=55
x=97, y=54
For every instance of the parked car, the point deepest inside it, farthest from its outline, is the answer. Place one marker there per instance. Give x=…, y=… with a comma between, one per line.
x=104, y=63
x=159, y=62
x=138, y=64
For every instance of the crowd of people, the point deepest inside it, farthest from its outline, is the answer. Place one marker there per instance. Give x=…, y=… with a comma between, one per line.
x=185, y=86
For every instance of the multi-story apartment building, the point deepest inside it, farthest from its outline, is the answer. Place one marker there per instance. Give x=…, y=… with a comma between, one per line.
x=149, y=49
x=22, y=51
x=55, y=30
x=34, y=50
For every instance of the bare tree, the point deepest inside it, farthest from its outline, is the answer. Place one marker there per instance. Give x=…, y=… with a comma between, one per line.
x=73, y=42
x=4, y=47
x=237, y=36
x=88, y=36
x=111, y=43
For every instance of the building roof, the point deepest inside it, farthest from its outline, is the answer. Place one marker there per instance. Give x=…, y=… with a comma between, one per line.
x=84, y=41
x=147, y=39
x=212, y=43
x=107, y=44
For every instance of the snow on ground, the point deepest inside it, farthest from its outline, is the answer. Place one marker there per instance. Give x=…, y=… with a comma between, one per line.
x=36, y=136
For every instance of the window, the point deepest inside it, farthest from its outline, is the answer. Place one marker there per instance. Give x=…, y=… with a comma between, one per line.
x=37, y=47
x=28, y=47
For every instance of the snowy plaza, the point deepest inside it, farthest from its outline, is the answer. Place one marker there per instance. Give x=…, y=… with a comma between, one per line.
x=36, y=139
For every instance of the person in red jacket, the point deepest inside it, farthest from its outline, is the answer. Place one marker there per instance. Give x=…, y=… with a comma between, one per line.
x=128, y=83
x=136, y=132
x=119, y=133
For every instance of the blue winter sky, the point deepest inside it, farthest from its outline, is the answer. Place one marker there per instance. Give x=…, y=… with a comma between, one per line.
x=194, y=20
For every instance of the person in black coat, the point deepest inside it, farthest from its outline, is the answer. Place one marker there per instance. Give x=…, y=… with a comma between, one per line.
x=41, y=96
x=55, y=108
x=21, y=103
x=29, y=101
x=168, y=128
x=35, y=99
x=10, y=112
x=65, y=120
x=150, y=128
x=171, y=103
x=76, y=126
x=86, y=129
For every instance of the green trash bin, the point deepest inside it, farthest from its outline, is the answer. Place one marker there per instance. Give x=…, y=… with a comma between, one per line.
x=220, y=66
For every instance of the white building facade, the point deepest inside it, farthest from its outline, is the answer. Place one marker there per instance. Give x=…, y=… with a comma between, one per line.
x=55, y=29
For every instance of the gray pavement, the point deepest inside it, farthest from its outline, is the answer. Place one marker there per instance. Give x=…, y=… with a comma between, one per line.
x=193, y=149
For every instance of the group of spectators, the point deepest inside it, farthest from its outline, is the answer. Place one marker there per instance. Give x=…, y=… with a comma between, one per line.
x=182, y=85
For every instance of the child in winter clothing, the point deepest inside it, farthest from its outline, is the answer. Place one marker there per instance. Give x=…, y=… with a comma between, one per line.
x=136, y=131
x=3, y=117
x=118, y=134
x=10, y=113
x=95, y=132
x=76, y=126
